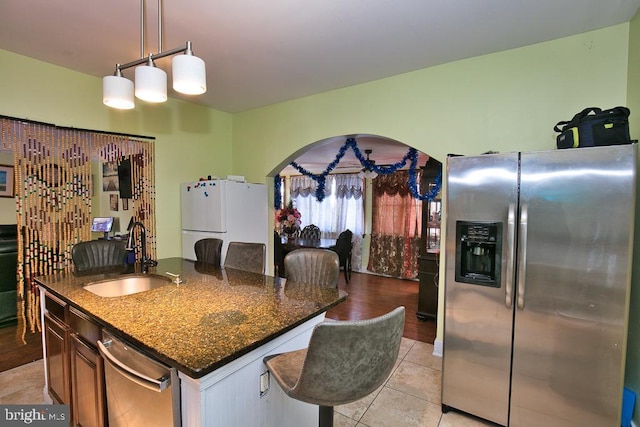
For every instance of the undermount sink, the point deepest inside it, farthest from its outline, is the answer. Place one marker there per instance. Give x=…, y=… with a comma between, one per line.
x=127, y=285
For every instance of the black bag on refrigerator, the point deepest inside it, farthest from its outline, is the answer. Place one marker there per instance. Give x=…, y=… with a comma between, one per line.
x=593, y=127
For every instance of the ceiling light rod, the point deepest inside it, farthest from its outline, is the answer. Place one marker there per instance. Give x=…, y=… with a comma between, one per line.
x=153, y=56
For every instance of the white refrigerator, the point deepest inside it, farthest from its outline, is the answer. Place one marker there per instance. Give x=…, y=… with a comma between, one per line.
x=227, y=210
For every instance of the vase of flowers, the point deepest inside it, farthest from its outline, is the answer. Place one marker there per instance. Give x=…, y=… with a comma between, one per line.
x=288, y=221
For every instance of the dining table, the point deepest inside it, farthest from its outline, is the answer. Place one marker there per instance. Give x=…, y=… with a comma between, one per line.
x=302, y=242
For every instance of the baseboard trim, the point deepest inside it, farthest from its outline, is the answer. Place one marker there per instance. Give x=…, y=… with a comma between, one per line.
x=437, y=348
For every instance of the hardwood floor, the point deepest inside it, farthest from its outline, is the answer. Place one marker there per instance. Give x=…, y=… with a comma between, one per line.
x=369, y=296
x=13, y=352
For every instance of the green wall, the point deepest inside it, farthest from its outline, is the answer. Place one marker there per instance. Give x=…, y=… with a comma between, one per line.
x=191, y=141
x=507, y=101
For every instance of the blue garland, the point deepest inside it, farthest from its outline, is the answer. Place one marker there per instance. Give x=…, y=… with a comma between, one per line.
x=277, y=190
x=412, y=156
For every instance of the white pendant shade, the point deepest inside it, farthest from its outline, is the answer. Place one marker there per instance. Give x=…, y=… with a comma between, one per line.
x=151, y=84
x=117, y=92
x=189, y=75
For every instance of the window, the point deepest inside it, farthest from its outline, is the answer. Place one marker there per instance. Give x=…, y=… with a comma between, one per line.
x=341, y=209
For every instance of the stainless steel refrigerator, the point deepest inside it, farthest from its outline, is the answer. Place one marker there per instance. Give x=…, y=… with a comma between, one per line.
x=538, y=269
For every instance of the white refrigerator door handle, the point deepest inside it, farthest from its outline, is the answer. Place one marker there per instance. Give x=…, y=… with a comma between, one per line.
x=522, y=260
x=511, y=229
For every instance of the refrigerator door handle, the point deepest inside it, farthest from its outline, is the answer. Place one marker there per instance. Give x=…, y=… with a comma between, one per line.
x=522, y=260
x=511, y=229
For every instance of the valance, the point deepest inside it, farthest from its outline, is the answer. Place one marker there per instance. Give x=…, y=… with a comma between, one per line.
x=396, y=183
x=345, y=185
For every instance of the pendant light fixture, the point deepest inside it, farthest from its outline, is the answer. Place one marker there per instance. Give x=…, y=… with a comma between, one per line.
x=189, y=74
x=117, y=92
x=367, y=172
x=151, y=82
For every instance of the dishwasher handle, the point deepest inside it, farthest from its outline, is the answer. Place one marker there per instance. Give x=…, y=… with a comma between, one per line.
x=152, y=384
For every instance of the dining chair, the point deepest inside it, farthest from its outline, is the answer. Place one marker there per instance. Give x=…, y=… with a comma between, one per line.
x=245, y=256
x=98, y=253
x=344, y=362
x=208, y=251
x=343, y=248
x=310, y=231
x=278, y=255
x=314, y=266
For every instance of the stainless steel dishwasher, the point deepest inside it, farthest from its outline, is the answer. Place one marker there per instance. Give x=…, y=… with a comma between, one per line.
x=140, y=390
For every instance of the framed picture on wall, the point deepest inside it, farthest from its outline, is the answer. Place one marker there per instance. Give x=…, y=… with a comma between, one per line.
x=113, y=202
x=110, y=176
x=6, y=181
x=125, y=204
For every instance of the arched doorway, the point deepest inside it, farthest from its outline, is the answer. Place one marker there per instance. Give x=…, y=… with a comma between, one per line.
x=371, y=294
x=305, y=171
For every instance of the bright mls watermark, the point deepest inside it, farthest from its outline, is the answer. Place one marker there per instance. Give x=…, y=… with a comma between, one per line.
x=34, y=415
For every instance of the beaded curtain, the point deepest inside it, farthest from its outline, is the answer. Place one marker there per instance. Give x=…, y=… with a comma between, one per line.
x=54, y=182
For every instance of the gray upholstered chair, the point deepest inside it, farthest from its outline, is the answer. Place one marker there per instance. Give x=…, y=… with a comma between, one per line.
x=245, y=256
x=315, y=266
x=98, y=253
x=208, y=251
x=344, y=362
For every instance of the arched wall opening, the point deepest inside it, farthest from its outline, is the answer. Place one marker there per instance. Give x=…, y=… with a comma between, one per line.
x=334, y=155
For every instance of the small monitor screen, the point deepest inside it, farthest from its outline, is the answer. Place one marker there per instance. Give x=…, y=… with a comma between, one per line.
x=102, y=225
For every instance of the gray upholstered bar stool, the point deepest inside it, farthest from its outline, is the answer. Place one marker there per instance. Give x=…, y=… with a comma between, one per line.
x=315, y=266
x=345, y=361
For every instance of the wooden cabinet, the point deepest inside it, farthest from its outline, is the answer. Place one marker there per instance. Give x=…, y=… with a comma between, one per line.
x=56, y=335
x=431, y=225
x=429, y=258
x=75, y=369
x=87, y=372
x=428, y=266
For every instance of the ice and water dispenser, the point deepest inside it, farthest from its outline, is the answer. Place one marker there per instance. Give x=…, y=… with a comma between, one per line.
x=478, y=252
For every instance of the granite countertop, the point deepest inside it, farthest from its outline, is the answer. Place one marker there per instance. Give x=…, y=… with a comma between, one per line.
x=211, y=319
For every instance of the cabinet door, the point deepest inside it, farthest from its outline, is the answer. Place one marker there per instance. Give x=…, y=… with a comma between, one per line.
x=87, y=384
x=57, y=350
x=428, y=290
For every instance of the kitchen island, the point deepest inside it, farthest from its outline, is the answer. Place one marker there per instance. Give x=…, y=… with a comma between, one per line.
x=214, y=328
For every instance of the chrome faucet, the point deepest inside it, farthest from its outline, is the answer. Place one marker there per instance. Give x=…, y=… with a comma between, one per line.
x=144, y=261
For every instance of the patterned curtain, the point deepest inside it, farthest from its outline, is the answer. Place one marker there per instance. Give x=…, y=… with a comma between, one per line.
x=395, y=227
x=53, y=178
x=111, y=148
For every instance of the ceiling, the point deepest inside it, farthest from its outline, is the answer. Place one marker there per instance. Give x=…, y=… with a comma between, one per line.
x=259, y=53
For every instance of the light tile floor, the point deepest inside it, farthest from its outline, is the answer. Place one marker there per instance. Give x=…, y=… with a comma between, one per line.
x=23, y=385
x=410, y=397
